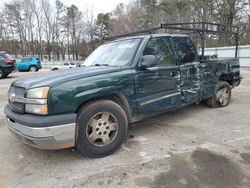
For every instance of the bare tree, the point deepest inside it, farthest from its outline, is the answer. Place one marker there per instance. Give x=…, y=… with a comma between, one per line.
x=39, y=17
x=43, y=28
x=14, y=21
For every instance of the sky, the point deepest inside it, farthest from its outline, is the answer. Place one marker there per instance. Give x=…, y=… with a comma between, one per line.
x=97, y=5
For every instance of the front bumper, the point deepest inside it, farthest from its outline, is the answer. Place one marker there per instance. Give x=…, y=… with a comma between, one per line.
x=43, y=137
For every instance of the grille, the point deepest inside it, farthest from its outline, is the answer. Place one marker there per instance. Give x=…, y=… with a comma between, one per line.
x=19, y=92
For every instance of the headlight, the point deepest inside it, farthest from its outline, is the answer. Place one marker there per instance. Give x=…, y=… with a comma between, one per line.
x=37, y=98
x=41, y=109
x=38, y=93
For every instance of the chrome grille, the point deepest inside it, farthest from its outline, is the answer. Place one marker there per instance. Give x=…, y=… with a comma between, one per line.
x=18, y=92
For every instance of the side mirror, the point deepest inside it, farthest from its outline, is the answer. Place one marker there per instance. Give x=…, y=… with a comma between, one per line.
x=148, y=61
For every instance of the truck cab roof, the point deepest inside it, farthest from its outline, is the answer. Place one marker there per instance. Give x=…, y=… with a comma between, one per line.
x=151, y=35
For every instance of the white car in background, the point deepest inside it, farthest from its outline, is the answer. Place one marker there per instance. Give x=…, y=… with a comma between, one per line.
x=65, y=65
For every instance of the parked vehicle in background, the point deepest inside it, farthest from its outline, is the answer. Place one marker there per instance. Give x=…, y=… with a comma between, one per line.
x=7, y=64
x=66, y=65
x=32, y=64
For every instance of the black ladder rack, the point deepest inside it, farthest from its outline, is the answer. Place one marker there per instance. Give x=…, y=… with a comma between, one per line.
x=202, y=28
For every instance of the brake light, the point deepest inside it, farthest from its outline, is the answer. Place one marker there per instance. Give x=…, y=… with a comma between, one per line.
x=10, y=61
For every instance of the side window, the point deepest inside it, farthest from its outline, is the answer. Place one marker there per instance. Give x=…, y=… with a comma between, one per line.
x=161, y=49
x=66, y=64
x=185, y=50
x=24, y=60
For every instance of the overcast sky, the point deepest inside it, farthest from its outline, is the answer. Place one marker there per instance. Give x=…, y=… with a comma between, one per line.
x=97, y=5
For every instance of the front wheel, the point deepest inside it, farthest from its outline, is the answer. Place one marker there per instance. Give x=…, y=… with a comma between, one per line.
x=222, y=96
x=101, y=128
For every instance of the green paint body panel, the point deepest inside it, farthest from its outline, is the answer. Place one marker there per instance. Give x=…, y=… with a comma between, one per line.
x=67, y=97
x=146, y=92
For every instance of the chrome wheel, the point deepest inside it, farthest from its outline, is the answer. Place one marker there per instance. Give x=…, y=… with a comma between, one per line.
x=223, y=96
x=102, y=129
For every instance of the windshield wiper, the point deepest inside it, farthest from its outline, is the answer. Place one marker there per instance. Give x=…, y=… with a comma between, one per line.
x=99, y=64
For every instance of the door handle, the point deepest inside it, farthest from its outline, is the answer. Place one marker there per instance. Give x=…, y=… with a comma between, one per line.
x=153, y=68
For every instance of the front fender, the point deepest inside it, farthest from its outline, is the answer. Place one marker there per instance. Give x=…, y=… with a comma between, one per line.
x=69, y=96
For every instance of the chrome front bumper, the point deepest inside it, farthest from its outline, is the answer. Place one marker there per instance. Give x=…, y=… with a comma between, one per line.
x=53, y=137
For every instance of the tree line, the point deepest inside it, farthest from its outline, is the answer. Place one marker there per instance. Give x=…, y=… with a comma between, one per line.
x=57, y=32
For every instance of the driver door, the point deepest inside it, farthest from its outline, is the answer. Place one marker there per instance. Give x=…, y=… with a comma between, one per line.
x=157, y=87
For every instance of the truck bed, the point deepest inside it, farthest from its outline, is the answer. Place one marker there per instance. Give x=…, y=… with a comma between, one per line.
x=225, y=69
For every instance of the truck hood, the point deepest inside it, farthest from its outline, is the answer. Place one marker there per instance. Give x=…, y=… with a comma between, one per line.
x=61, y=76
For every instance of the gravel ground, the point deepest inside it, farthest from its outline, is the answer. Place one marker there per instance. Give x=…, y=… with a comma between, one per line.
x=195, y=146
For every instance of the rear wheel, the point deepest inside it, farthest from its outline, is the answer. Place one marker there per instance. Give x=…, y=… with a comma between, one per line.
x=1, y=73
x=222, y=96
x=33, y=69
x=102, y=127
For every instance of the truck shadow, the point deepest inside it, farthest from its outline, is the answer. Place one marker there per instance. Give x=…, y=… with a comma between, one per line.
x=173, y=116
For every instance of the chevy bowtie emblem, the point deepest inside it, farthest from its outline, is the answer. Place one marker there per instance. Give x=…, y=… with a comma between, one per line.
x=11, y=97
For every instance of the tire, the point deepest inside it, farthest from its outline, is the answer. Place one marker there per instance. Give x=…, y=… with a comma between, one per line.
x=1, y=73
x=6, y=75
x=222, y=96
x=101, y=128
x=33, y=69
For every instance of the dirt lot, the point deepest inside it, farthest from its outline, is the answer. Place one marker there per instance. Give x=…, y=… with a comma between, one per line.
x=191, y=147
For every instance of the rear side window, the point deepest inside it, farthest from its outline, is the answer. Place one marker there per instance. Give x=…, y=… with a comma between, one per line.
x=66, y=64
x=160, y=47
x=26, y=59
x=185, y=50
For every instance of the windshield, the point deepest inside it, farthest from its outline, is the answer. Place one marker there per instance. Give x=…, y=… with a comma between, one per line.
x=119, y=53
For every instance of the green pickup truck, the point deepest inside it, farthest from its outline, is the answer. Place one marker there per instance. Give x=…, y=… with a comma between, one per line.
x=123, y=81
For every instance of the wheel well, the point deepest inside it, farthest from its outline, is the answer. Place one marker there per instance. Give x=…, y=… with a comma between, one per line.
x=226, y=78
x=32, y=66
x=117, y=98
